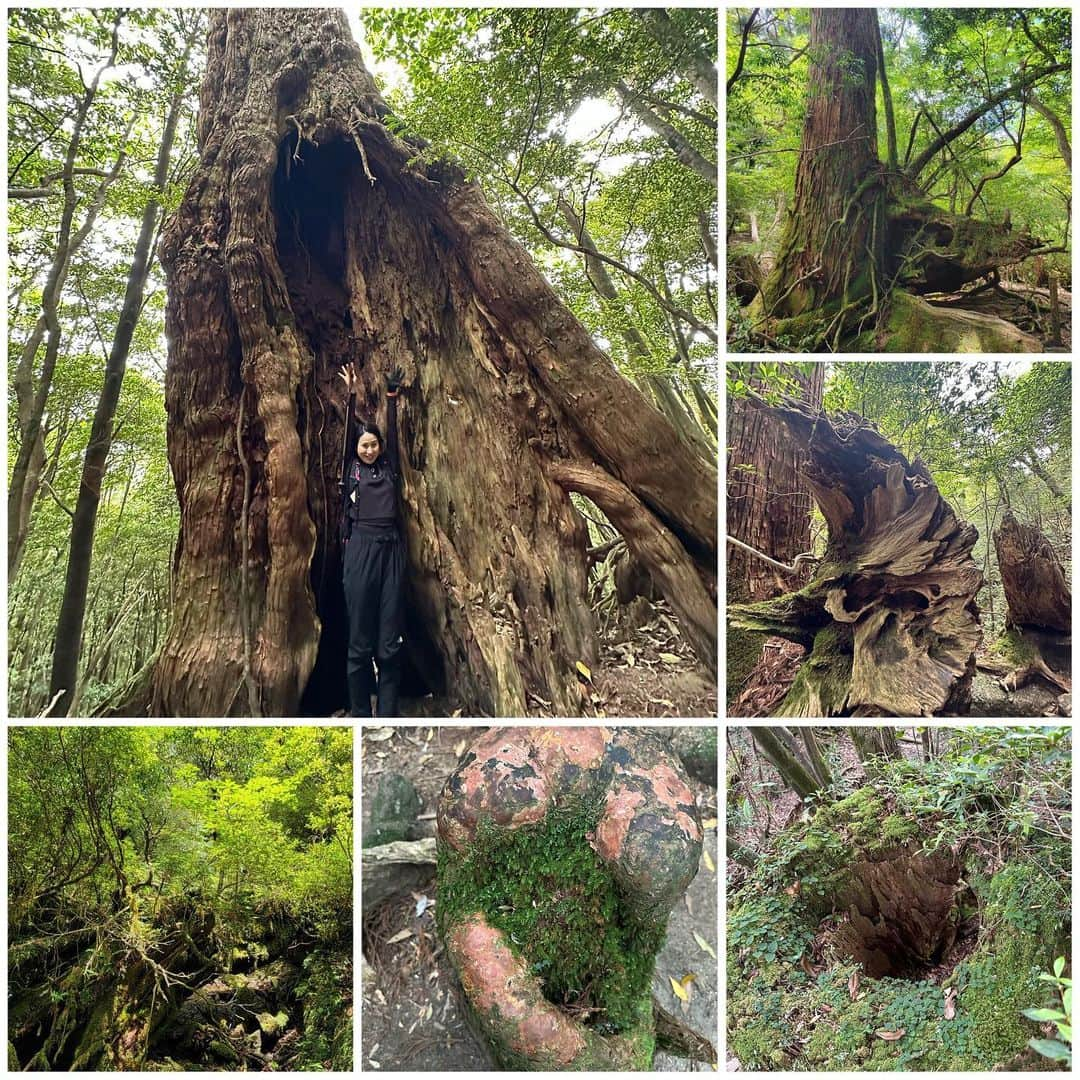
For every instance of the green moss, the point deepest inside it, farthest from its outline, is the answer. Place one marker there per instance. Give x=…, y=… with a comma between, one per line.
x=743, y=652
x=1012, y=647
x=561, y=911
x=914, y=326
x=821, y=686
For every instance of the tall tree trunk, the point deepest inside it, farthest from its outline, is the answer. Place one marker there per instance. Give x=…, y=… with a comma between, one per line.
x=793, y=771
x=813, y=752
x=768, y=507
x=889, y=616
x=311, y=236
x=768, y=504
x=834, y=242
x=886, y=100
x=697, y=67
x=32, y=400
x=69, y=627
x=677, y=143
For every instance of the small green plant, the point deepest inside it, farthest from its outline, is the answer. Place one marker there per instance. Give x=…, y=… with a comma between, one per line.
x=1059, y=1049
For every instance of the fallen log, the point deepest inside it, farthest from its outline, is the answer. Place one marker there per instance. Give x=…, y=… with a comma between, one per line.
x=889, y=617
x=389, y=869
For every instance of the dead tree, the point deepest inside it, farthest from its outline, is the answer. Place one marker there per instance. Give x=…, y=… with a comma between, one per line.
x=311, y=235
x=1038, y=623
x=889, y=618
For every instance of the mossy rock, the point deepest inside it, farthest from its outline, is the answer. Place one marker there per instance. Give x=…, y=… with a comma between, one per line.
x=816, y=871
x=915, y=326
x=555, y=885
x=394, y=808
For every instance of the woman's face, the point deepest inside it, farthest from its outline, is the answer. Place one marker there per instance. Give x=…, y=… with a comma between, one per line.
x=368, y=448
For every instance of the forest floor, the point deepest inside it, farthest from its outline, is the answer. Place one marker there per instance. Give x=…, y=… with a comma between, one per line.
x=647, y=668
x=771, y=678
x=412, y=1017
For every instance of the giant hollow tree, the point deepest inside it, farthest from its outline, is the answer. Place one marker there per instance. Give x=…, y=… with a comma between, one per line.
x=314, y=234
x=863, y=242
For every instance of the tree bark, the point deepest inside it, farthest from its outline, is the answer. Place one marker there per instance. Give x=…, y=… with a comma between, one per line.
x=312, y=236
x=67, y=642
x=813, y=752
x=834, y=240
x=887, y=102
x=768, y=504
x=768, y=508
x=792, y=771
x=1036, y=591
x=889, y=617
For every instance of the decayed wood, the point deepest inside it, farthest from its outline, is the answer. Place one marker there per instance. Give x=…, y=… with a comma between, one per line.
x=389, y=869
x=1036, y=591
x=890, y=615
x=311, y=236
x=901, y=913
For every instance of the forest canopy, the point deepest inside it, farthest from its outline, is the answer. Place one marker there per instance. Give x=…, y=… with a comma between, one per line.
x=180, y=897
x=945, y=165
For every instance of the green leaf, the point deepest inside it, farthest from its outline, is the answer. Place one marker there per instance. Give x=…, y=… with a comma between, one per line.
x=1044, y=1014
x=1059, y=966
x=1051, y=1048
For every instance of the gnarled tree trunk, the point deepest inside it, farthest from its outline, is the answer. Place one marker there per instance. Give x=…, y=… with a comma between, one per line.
x=857, y=229
x=1038, y=625
x=889, y=617
x=310, y=236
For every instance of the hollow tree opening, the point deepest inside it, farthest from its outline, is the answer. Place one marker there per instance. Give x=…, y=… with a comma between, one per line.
x=310, y=234
x=902, y=914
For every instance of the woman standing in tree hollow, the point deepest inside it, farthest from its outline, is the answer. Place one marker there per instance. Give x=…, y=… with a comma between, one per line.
x=373, y=553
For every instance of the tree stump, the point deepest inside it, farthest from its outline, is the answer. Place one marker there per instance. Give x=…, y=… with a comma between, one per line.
x=1038, y=625
x=561, y=853
x=889, y=617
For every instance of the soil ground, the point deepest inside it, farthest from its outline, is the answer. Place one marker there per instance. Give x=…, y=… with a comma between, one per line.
x=412, y=1016
x=647, y=668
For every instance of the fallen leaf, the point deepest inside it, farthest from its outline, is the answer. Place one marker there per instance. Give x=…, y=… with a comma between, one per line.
x=678, y=988
x=459, y=748
x=704, y=945
x=401, y=935
x=950, y=1003
x=670, y=658
x=456, y=712
x=853, y=985
x=891, y=1036
x=422, y=904
x=687, y=979
x=709, y=823
x=583, y=671
x=808, y=967
x=379, y=734
x=795, y=889
x=706, y=858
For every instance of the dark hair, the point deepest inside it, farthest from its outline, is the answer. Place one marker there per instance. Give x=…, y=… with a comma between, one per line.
x=368, y=427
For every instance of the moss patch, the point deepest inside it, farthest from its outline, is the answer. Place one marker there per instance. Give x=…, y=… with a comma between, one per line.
x=559, y=906
x=782, y=1017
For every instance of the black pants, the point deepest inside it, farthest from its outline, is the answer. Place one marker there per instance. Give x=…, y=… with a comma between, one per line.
x=374, y=573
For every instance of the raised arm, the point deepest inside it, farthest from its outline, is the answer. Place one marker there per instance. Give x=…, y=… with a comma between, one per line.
x=393, y=387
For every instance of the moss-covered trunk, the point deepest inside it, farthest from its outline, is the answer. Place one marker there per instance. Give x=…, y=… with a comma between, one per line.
x=889, y=617
x=834, y=241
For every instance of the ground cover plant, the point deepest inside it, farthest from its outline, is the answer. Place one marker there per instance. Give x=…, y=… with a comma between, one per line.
x=180, y=898
x=899, y=898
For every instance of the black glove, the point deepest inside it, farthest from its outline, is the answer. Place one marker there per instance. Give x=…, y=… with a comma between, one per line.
x=395, y=380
